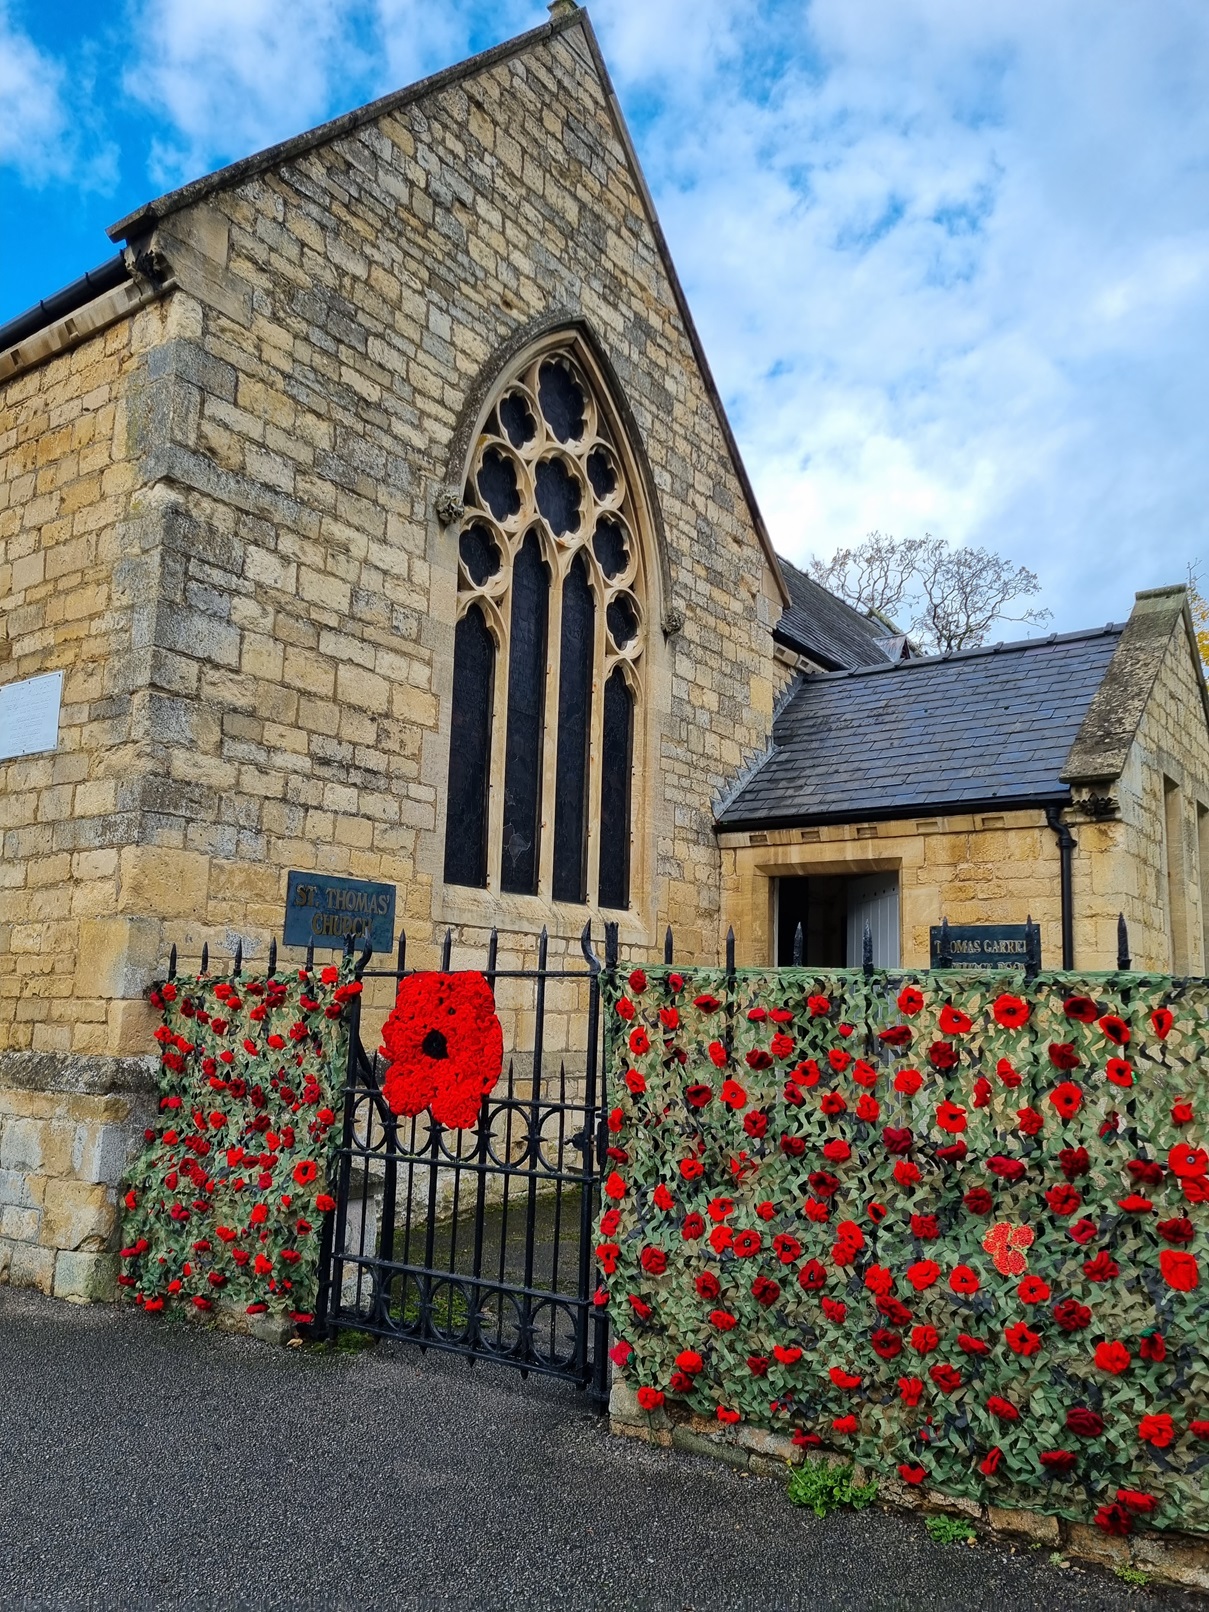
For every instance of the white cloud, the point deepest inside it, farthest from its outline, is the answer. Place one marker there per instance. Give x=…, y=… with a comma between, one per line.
x=413, y=38
x=950, y=265
x=232, y=76
x=33, y=118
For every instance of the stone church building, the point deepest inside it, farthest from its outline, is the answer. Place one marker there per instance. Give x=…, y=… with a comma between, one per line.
x=374, y=515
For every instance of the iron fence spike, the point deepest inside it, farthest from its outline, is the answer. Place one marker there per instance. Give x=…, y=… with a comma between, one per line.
x=1124, y=961
x=310, y=955
x=667, y=947
x=237, y=965
x=798, y=947
x=585, y=946
x=205, y=962
x=172, y=962
x=272, y=957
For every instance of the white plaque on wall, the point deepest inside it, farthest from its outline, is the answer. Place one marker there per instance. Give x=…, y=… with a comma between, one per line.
x=29, y=715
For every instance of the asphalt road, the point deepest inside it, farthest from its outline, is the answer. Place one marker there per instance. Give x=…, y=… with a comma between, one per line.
x=145, y=1465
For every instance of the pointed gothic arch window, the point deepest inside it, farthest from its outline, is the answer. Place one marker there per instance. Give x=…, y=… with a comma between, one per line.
x=548, y=647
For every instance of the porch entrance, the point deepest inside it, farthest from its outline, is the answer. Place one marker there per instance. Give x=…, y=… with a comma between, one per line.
x=480, y=1242
x=833, y=912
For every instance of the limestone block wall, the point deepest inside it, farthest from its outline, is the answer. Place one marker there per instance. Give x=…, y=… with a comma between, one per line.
x=68, y=1128
x=219, y=518
x=339, y=318
x=1172, y=745
x=77, y=570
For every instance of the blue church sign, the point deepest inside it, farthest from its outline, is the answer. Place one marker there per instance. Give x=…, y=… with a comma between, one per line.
x=325, y=909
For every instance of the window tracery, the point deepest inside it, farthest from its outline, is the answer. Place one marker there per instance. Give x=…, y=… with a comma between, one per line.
x=548, y=647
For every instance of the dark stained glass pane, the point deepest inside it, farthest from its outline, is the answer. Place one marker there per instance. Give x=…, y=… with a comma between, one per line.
x=479, y=553
x=622, y=620
x=469, y=751
x=610, y=547
x=601, y=473
x=516, y=417
x=574, y=724
x=557, y=496
x=497, y=485
x=616, y=765
x=526, y=719
x=561, y=401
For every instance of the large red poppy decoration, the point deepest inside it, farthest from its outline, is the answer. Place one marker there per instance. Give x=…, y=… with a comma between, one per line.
x=445, y=1046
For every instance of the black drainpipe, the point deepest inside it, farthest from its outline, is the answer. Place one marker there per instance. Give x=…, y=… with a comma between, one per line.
x=1066, y=844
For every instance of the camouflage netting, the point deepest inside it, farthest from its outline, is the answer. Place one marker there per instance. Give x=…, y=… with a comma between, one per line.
x=947, y=1222
x=226, y=1202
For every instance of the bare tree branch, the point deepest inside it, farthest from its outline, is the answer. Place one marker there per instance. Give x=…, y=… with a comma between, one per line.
x=952, y=596
x=874, y=576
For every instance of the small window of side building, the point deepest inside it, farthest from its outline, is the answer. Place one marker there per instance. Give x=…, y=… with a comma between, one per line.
x=552, y=576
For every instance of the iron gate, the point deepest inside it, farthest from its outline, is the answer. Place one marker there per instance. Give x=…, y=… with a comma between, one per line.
x=480, y=1241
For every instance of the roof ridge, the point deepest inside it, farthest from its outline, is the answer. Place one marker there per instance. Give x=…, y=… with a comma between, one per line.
x=1013, y=646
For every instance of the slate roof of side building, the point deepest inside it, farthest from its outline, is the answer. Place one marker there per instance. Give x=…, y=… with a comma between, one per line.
x=831, y=632
x=989, y=727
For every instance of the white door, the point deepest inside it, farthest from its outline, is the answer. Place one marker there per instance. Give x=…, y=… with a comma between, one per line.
x=873, y=899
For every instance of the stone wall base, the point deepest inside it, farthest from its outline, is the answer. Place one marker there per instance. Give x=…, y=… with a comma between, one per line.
x=1169, y=1558
x=69, y=1126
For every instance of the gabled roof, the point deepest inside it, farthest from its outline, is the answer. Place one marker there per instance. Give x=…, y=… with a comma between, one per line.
x=984, y=727
x=829, y=630
x=138, y=224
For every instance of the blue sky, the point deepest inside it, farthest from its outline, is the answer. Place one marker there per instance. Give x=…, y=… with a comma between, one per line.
x=950, y=261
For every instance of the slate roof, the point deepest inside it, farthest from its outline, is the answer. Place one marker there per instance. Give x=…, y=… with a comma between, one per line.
x=820, y=625
x=984, y=726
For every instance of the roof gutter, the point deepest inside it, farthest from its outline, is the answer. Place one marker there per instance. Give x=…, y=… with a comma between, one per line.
x=89, y=286
x=886, y=814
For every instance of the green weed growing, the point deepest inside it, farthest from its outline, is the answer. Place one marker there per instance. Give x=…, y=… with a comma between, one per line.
x=826, y=1488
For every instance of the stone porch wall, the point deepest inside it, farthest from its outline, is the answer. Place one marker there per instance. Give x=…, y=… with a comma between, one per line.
x=967, y=868
x=1000, y=867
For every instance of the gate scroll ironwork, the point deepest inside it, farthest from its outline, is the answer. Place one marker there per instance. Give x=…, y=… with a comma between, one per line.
x=479, y=1242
